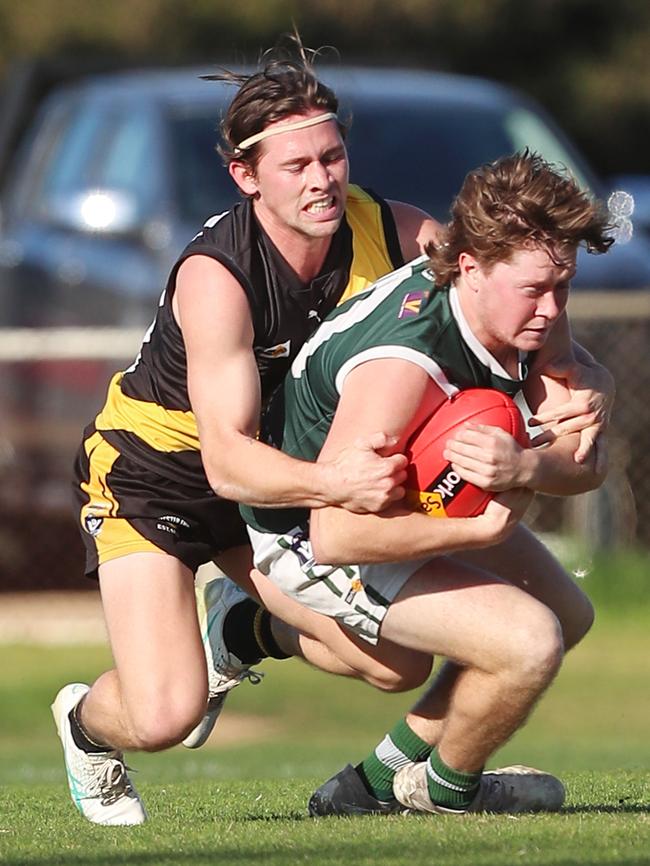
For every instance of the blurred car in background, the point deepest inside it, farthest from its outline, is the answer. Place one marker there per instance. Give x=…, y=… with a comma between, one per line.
x=117, y=172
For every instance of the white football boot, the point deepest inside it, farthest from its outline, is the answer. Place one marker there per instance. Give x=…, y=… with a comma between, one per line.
x=508, y=790
x=99, y=785
x=225, y=671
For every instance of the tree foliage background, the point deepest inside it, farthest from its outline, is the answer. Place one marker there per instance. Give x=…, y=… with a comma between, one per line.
x=586, y=61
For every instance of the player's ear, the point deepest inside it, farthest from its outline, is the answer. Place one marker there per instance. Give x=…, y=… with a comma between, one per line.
x=244, y=176
x=470, y=270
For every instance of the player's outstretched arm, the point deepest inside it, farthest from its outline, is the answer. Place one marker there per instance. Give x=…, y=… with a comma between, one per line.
x=391, y=392
x=224, y=389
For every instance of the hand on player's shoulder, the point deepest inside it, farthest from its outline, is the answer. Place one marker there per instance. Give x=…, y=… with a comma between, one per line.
x=362, y=480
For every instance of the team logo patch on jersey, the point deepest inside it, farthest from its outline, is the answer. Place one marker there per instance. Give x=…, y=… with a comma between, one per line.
x=93, y=524
x=412, y=304
x=280, y=351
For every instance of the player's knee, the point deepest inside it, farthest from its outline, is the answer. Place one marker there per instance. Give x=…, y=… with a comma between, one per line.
x=162, y=724
x=534, y=649
x=403, y=677
x=540, y=649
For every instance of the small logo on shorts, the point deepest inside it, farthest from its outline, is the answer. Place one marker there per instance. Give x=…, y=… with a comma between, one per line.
x=171, y=523
x=282, y=350
x=93, y=524
x=355, y=586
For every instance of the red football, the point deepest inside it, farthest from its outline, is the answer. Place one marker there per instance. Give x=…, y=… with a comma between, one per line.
x=432, y=485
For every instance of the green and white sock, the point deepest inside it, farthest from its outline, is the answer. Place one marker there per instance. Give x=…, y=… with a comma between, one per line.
x=401, y=746
x=450, y=788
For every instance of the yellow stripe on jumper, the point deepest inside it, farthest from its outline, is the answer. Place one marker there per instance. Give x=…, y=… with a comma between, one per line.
x=162, y=429
x=371, y=259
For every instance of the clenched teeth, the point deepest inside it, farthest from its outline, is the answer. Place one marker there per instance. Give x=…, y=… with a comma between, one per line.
x=320, y=206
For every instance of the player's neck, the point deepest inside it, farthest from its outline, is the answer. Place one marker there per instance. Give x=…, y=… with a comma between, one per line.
x=303, y=253
x=506, y=355
x=306, y=260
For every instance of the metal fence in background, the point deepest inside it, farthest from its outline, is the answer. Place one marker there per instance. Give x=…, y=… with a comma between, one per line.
x=615, y=328
x=51, y=385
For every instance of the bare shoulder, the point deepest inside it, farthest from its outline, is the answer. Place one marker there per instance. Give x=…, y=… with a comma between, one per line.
x=198, y=272
x=204, y=276
x=415, y=228
x=208, y=296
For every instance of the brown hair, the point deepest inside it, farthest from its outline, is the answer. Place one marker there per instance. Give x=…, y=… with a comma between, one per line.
x=286, y=84
x=517, y=201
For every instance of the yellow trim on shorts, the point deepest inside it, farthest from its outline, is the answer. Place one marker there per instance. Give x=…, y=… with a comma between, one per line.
x=116, y=537
x=101, y=457
x=166, y=430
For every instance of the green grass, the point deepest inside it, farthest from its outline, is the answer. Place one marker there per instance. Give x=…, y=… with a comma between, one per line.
x=240, y=803
x=210, y=822
x=238, y=823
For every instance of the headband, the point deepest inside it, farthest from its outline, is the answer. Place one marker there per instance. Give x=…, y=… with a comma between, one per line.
x=285, y=127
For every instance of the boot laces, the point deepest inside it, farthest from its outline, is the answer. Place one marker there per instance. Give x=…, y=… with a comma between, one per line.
x=111, y=781
x=254, y=677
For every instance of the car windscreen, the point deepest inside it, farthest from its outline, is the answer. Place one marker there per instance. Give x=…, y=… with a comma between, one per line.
x=416, y=152
x=420, y=153
x=203, y=187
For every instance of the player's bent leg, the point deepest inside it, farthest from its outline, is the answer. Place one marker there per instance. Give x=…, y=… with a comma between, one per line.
x=526, y=562
x=385, y=667
x=154, y=696
x=509, y=647
x=158, y=690
x=317, y=639
x=322, y=642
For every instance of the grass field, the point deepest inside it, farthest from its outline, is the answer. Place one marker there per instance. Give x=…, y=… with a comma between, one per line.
x=241, y=799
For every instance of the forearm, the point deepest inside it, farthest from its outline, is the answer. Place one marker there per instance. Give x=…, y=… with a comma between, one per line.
x=339, y=537
x=553, y=470
x=246, y=470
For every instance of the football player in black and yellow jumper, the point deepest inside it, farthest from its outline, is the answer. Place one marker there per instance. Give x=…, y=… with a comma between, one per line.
x=174, y=449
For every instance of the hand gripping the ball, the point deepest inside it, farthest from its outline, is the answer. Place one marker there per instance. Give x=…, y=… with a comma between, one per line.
x=488, y=457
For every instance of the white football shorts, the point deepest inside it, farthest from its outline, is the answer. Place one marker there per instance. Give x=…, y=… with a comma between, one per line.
x=357, y=596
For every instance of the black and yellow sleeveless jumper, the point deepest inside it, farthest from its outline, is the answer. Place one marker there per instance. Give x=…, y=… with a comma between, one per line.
x=140, y=483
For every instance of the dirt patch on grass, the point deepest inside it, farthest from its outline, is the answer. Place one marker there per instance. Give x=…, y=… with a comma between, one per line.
x=233, y=728
x=52, y=618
